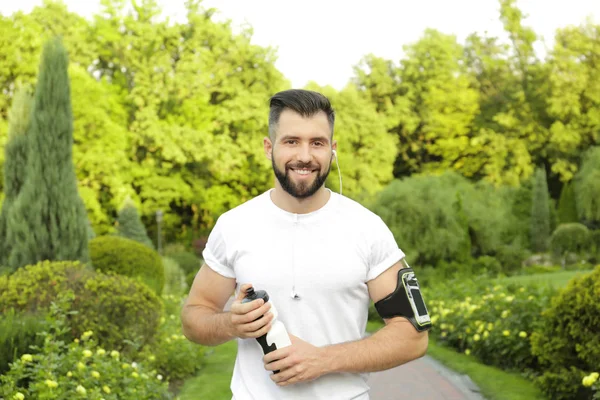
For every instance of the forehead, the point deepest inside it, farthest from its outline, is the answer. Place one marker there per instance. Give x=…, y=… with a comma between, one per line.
x=293, y=124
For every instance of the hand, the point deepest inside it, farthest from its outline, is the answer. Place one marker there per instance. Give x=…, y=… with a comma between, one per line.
x=250, y=320
x=300, y=362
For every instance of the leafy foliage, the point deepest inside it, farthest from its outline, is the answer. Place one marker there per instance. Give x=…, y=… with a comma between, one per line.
x=130, y=225
x=48, y=220
x=587, y=186
x=129, y=258
x=572, y=237
x=15, y=161
x=540, y=212
x=115, y=307
x=78, y=368
x=567, y=344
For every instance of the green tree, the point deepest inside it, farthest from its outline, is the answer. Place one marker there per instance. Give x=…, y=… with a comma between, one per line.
x=540, y=212
x=48, y=219
x=567, y=206
x=587, y=188
x=130, y=225
x=15, y=161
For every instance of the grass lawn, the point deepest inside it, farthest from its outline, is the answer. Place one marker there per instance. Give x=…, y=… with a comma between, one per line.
x=212, y=383
x=554, y=279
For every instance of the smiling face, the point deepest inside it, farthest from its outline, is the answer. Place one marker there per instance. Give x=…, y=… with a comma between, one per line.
x=301, y=152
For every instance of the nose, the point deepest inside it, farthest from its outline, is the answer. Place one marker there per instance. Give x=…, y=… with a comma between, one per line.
x=304, y=154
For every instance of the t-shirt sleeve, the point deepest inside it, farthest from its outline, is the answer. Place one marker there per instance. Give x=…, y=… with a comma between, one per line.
x=383, y=249
x=215, y=252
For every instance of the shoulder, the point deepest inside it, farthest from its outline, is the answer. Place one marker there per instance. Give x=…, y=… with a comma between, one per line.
x=355, y=211
x=244, y=211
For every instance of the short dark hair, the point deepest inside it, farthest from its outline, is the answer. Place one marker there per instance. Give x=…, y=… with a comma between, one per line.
x=305, y=102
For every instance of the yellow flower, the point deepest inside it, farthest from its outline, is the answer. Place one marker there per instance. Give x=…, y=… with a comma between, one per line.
x=96, y=374
x=80, y=365
x=106, y=389
x=530, y=298
x=27, y=358
x=125, y=365
x=114, y=354
x=19, y=396
x=505, y=313
x=151, y=357
x=523, y=334
x=490, y=326
x=69, y=374
x=590, y=379
x=86, y=335
x=486, y=334
x=521, y=289
x=506, y=332
x=510, y=298
x=443, y=326
x=476, y=337
x=135, y=374
x=468, y=330
x=76, y=340
x=50, y=383
x=87, y=353
x=101, y=352
x=80, y=389
x=467, y=351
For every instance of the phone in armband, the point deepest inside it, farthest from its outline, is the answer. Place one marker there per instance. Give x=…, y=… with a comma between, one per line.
x=415, y=298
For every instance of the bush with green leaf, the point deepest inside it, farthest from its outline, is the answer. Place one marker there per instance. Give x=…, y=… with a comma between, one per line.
x=175, y=282
x=128, y=258
x=570, y=238
x=79, y=368
x=493, y=324
x=188, y=261
x=117, y=308
x=569, y=337
x=171, y=353
x=18, y=331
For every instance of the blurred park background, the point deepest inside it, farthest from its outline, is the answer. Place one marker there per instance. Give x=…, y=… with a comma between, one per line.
x=124, y=135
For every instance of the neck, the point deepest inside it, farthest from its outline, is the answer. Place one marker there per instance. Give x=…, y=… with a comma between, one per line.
x=289, y=203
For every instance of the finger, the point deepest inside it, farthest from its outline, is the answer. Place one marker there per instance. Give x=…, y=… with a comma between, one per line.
x=255, y=324
x=280, y=365
x=277, y=354
x=243, y=289
x=284, y=376
x=262, y=331
x=245, y=308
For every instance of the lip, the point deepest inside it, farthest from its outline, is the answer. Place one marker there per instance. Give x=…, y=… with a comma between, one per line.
x=303, y=176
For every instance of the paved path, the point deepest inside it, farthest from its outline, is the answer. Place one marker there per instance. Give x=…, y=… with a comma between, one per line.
x=422, y=379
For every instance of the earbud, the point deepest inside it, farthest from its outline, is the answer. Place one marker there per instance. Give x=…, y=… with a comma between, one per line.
x=334, y=154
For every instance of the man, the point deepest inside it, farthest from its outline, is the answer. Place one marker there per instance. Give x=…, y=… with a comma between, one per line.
x=319, y=255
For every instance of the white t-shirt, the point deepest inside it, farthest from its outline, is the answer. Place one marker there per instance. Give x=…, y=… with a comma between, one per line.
x=325, y=258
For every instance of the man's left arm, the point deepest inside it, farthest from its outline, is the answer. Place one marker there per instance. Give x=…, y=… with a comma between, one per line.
x=397, y=343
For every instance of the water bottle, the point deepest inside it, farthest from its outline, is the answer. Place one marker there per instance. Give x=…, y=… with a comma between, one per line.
x=277, y=337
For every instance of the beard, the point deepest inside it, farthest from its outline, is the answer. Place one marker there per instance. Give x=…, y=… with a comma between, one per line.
x=300, y=190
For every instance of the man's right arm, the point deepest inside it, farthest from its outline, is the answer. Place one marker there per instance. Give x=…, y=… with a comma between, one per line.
x=204, y=320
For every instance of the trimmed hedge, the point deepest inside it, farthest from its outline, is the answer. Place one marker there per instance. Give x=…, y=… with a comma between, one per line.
x=129, y=258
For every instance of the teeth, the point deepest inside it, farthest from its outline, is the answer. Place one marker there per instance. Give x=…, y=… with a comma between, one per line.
x=303, y=171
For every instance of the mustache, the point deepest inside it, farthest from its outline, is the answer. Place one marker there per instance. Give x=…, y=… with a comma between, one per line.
x=301, y=165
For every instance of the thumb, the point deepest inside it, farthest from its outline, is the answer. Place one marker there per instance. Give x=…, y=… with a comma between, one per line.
x=242, y=292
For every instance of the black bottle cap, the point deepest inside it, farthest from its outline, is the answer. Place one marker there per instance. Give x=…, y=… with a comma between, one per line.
x=251, y=294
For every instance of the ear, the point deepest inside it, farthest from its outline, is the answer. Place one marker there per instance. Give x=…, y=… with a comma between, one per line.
x=268, y=147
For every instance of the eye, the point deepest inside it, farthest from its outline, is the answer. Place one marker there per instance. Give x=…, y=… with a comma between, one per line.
x=290, y=141
x=318, y=143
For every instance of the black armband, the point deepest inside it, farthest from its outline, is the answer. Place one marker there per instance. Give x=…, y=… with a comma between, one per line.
x=406, y=301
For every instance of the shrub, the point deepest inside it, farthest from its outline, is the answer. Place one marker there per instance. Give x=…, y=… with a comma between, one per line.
x=129, y=258
x=187, y=261
x=117, y=308
x=570, y=238
x=174, y=277
x=492, y=324
x=130, y=224
x=569, y=337
x=79, y=368
x=540, y=212
x=17, y=333
x=171, y=354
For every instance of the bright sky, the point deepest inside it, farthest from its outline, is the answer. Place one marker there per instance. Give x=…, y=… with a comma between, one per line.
x=321, y=40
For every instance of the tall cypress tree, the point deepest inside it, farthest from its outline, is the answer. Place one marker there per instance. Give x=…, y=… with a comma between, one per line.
x=48, y=220
x=567, y=206
x=15, y=160
x=130, y=224
x=540, y=212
